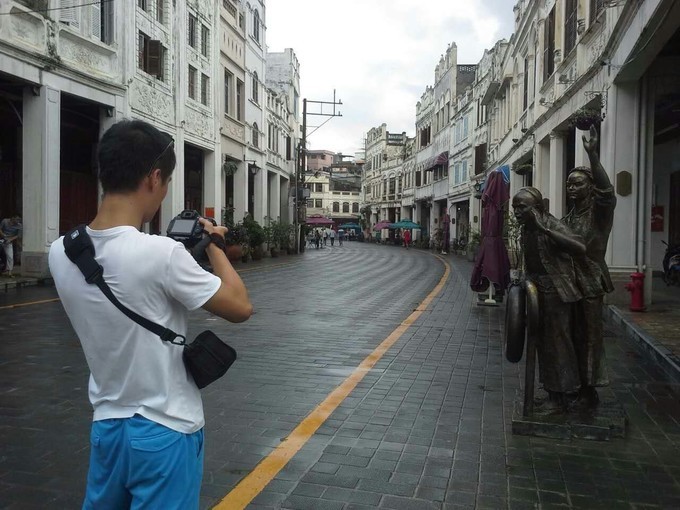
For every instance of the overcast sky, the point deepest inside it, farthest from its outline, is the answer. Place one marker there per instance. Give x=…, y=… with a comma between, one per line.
x=379, y=55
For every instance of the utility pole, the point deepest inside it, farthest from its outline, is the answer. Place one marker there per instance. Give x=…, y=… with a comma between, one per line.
x=301, y=167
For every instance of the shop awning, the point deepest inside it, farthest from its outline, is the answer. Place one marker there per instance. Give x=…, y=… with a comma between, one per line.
x=440, y=159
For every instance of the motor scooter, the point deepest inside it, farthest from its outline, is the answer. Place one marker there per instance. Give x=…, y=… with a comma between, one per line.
x=671, y=264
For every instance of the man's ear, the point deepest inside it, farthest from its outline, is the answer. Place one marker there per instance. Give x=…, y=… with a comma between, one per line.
x=155, y=177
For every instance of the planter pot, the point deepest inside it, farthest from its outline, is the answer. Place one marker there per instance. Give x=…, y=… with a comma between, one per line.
x=584, y=124
x=274, y=252
x=234, y=252
x=257, y=253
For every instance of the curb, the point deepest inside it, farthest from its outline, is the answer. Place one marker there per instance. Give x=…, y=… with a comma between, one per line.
x=662, y=355
x=19, y=283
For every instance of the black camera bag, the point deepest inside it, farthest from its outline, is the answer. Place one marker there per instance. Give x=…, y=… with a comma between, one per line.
x=207, y=358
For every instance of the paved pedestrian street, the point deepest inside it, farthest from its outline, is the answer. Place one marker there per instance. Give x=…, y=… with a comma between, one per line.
x=353, y=390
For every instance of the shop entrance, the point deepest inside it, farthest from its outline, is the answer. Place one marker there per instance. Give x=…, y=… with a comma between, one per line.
x=193, y=178
x=11, y=98
x=79, y=134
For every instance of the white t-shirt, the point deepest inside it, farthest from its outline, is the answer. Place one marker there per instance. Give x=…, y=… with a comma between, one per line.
x=132, y=371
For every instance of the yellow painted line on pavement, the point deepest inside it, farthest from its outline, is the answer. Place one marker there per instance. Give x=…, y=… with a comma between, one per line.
x=17, y=305
x=268, y=468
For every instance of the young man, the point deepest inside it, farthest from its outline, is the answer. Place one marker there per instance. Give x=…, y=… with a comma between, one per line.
x=147, y=431
x=10, y=231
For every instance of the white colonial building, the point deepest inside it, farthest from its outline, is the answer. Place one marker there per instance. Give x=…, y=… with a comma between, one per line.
x=283, y=131
x=195, y=69
x=63, y=81
x=620, y=59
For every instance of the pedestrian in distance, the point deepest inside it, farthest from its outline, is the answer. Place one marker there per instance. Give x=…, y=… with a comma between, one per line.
x=317, y=238
x=332, y=236
x=147, y=440
x=325, y=236
x=10, y=234
x=341, y=237
x=407, y=238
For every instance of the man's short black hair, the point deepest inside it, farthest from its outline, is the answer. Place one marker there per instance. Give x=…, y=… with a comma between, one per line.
x=128, y=150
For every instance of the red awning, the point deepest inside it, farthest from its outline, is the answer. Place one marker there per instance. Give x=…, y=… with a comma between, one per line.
x=319, y=220
x=440, y=159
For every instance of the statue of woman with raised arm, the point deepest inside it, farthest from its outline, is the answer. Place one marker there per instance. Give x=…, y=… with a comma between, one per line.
x=591, y=218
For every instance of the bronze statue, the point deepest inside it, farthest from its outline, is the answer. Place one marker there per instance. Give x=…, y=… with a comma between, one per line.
x=591, y=218
x=548, y=247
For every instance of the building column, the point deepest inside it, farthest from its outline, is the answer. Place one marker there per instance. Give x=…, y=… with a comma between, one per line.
x=557, y=178
x=173, y=203
x=274, y=196
x=240, y=192
x=542, y=168
x=261, y=192
x=212, y=186
x=40, y=198
x=580, y=154
x=284, y=200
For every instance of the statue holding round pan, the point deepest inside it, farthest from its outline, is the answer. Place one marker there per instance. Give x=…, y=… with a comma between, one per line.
x=548, y=247
x=591, y=217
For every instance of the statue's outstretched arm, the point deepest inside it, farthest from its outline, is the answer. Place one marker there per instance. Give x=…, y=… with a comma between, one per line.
x=600, y=177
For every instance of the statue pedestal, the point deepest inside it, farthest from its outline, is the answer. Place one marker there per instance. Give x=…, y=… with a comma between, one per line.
x=603, y=423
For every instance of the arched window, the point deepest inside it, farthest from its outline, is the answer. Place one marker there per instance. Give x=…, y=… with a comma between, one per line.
x=256, y=135
x=355, y=207
x=336, y=206
x=256, y=26
x=255, y=96
x=345, y=207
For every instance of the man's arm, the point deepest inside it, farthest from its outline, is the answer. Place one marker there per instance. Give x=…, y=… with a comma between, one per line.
x=231, y=301
x=600, y=177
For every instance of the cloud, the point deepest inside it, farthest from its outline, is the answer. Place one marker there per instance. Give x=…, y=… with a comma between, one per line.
x=379, y=56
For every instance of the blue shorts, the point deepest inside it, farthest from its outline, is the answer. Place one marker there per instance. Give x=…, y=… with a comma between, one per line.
x=136, y=463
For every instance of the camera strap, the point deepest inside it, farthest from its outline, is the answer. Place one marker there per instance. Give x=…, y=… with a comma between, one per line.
x=80, y=250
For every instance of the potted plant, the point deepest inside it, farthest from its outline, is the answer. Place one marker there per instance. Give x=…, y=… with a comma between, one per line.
x=522, y=169
x=473, y=244
x=256, y=237
x=235, y=239
x=583, y=118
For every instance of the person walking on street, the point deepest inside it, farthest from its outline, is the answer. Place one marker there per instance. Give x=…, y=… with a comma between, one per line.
x=10, y=233
x=325, y=236
x=407, y=238
x=146, y=440
x=317, y=238
x=332, y=236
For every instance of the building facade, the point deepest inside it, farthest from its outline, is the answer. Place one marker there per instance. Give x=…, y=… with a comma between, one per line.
x=62, y=83
x=565, y=60
x=195, y=69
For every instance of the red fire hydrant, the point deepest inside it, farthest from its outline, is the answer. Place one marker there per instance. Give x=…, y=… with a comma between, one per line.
x=637, y=292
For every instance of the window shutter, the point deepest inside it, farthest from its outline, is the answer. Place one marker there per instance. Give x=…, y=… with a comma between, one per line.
x=68, y=13
x=96, y=20
x=153, y=56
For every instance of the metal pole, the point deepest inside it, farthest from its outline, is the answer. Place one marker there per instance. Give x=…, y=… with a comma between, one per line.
x=301, y=175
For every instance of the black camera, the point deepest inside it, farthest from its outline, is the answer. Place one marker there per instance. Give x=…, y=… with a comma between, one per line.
x=186, y=228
